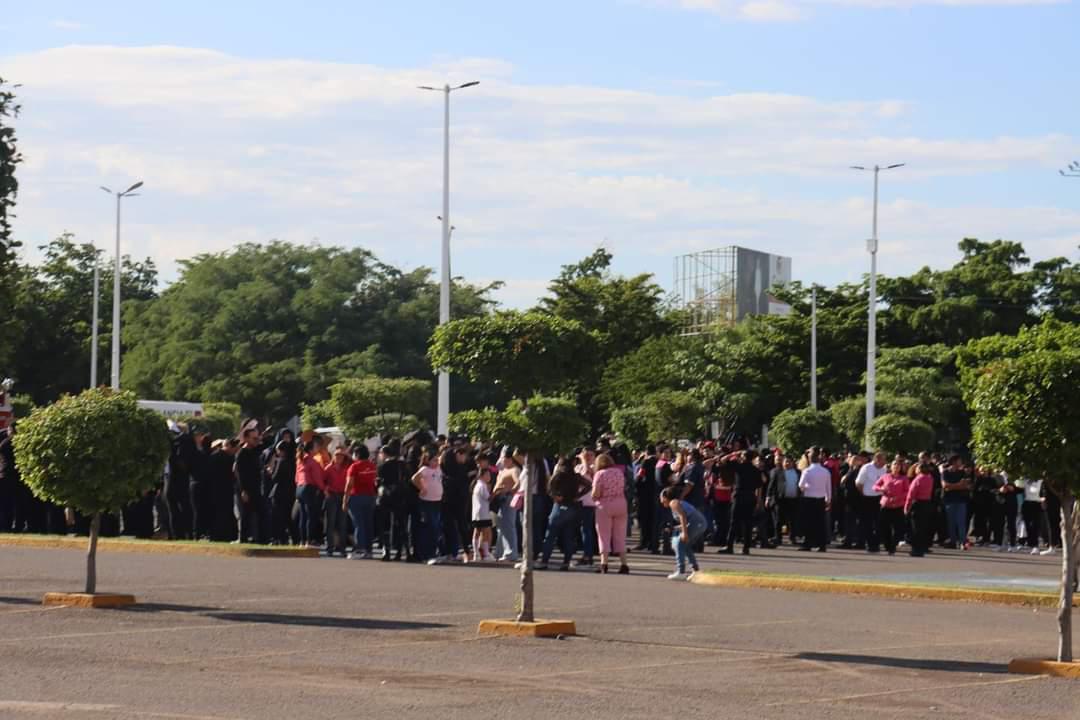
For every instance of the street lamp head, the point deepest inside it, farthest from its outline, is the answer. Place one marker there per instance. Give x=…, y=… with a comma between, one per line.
x=136, y=186
x=857, y=167
x=890, y=167
x=106, y=189
x=468, y=84
x=427, y=87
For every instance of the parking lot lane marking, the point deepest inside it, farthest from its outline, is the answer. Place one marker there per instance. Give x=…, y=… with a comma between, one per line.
x=909, y=690
x=133, y=631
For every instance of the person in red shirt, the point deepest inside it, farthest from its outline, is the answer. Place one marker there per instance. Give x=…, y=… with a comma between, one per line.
x=919, y=508
x=336, y=521
x=359, y=500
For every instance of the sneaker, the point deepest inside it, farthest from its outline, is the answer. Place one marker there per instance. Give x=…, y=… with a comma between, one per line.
x=1049, y=551
x=678, y=576
x=436, y=561
x=1014, y=548
x=354, y=556
x=487, y=558
x=997, y=548
x=1034, y=551
x=902, y=543
x=691, y=576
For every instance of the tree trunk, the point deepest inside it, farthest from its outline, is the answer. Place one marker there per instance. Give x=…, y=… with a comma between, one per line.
x=525, y=613
x=91, y=555
x=1068, y=574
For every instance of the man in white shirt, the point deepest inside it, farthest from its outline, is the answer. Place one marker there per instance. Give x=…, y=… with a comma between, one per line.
x=816, y=487
x=869, y=474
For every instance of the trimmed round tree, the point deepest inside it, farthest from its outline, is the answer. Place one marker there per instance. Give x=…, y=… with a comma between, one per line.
x=377, y=403
x=797, y=429
x=900, y=435
x=94, y=452
x=542, y=425
x=1027, y=423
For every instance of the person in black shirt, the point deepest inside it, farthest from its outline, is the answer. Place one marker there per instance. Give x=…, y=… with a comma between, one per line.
x=249, y=487
x=202, y=506
x=745, y=498
x=648, y=499
x=455, y=502
x=223, y=489
x=392, y=501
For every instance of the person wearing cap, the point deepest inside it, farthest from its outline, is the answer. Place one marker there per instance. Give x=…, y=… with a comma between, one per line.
x=337, y=522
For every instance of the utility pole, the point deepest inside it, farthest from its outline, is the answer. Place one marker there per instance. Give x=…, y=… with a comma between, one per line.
x=871, y=333
x=443, y=412
x=813, y=347
x=130, y=192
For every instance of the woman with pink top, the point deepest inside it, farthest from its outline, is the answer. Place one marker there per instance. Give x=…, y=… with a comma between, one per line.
x=309, y=486
x=920, y=509
x=893, y=489
x=609, y=492
x=337, y=522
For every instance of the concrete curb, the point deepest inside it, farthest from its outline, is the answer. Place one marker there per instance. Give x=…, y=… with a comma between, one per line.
x=168, y=547
x=1034, y=666
x=88, y=600
x=537, y=628
x=887, y=590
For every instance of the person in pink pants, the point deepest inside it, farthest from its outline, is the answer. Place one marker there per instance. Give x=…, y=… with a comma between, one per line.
x=609, y=491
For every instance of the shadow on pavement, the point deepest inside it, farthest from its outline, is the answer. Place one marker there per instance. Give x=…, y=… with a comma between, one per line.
x=218, y=613
x=908, y=663
x=330, y=622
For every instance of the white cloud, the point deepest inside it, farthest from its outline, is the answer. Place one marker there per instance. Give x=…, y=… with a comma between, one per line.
x=792, y=10
x=66, y=25
x=235, y=149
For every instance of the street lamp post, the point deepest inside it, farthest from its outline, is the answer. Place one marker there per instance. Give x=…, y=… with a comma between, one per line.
x=94, y=324
x=871, y=333
x=813, y=347
x=130, y=192
x=443, y=414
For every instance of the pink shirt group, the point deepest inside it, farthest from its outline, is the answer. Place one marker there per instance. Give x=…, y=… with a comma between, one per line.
x=609, y=486
x=921, y=490
x=893, y=490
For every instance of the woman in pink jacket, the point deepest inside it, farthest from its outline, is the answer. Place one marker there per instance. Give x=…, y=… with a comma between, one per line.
x=310, y=485
x=893, y=489
x=609, y=492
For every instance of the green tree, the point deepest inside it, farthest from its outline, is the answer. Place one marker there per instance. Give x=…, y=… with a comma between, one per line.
x=849, y=415
x=1025, y=423
x=622, y=312
x=527, y=354
x=796, y=430
x=9, y=189
x=988, y=292
x=316, y=415
x=524, y=353
x=53, y=313
x=632, y=425
x=379, y=404
x=268, y=326
x=899, y=434
x=63, y=459
x=221, y=420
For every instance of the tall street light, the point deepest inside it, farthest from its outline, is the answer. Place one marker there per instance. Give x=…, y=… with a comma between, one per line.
x=94, y=324
x=130, y=192
x=871, y=333
x=443, y=418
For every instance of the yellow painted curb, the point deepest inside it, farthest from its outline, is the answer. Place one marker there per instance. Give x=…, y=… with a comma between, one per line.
x=61, y=542
x=537, y=628
x=888, y=590
x=88, y=600
x=1034, y=666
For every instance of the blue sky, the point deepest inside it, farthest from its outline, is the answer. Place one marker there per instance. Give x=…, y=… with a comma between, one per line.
x=655, y=127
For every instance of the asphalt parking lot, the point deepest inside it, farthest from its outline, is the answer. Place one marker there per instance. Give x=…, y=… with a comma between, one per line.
x=216, y=638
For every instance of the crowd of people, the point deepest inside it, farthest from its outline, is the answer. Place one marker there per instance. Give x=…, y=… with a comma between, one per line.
x=431, y=499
